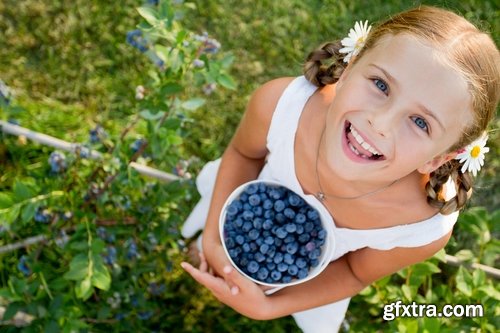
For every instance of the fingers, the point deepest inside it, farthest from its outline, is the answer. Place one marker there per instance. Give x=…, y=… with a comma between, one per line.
x=203, y=262
x=215, y=284
x=234, y=288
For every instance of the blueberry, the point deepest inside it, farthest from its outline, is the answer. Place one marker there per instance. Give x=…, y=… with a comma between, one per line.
x=271, y=266
x=229, y=243
x=268, y=204
x=310, y=246
x=294, y=200
x=269, y=240
x=302, y=274
x=281, y=233
x=247, y=215
x=286, y=279
x=232, y=210
x=245, y=247
x=269, y=214
x=289, y=213
x=308, y=227
x=282, y=267
x=274, y=194
x=280, y=218
x=301, y=262
x=304, y=238
x=257, y=211
x=253, y=234
x=292, y=248
x=238, y=222
x=267, y=224
x=322, y=234
x=254, y=199
x=279, y=205
x=264, y=248
x=312, y=214
x=247, y=226
x=300, y=218
x=259, y=257
x=251, y=189
x=288, y=239
x=257, y=223
x=239, y=239
x=252, y=267
x=278, y=258
x=288, y=258
x=293, y=270
x=290, y=227
x=275, y=275
x=262, y=273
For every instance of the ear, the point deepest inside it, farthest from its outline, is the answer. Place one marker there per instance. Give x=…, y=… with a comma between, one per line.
x=436, y=162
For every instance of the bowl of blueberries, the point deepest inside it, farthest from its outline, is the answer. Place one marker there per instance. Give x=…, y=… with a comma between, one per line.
x=273, y=236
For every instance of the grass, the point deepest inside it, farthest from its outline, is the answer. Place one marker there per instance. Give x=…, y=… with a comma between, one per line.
x=69, y=66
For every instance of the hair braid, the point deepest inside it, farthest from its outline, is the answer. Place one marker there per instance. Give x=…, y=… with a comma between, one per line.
x=321, y=74
x=434, y=187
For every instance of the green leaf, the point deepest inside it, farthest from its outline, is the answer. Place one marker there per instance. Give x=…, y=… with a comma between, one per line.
x=146, y=114
x=407, y=292
x=464, y=281
x=11, y=214
x=171, y=89
x=5, y=200
x=408, y=326
x=11, y=310
x=431, y=325
x=193, y=104
x=226, y=81
x=22, y=192
x=440, y=255
x=464, y=255
x=28, y=212
x=490, y=291
x=84, y=289
x=97, y=245
x=78, y=268
x=149, y=14
x=227, y=61
x=100, y=276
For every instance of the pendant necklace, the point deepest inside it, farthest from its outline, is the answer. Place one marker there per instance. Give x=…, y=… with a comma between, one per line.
x=322, y=196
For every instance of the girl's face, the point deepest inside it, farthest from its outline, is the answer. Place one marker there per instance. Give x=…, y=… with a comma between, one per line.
x=397, y=110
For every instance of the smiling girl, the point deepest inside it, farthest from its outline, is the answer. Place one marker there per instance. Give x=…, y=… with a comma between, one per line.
x=371, y=131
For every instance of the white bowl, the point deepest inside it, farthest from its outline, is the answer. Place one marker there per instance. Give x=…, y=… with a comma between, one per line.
x=327, y=248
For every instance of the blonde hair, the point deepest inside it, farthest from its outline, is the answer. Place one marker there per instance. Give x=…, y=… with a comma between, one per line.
x=465, y=48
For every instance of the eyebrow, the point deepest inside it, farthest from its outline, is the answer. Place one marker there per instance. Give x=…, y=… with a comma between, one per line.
x=420, y=106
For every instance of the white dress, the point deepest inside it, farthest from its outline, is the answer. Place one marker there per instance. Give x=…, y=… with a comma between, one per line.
x=280, y=166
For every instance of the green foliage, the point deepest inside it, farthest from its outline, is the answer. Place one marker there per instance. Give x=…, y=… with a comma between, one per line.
x=110, y=251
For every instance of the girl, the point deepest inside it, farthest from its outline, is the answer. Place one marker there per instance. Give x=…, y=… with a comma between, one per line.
x=375, y=142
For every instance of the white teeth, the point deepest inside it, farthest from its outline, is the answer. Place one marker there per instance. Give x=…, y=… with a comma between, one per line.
x=362, y=142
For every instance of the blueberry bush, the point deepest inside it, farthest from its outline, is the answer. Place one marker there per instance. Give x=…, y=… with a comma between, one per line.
x=87, y=244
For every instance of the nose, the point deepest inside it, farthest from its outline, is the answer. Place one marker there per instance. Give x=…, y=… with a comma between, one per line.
x=383, y=120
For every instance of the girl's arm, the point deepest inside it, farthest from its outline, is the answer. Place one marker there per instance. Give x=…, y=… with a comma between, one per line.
x=241, y=162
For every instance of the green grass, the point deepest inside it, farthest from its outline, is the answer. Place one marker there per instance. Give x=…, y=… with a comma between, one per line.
x=69, y=66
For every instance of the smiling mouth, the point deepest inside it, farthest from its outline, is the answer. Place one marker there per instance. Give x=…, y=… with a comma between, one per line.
x=360, y=147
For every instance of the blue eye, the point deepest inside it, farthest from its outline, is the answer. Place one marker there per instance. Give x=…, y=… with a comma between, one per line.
x=381, y=85
x=421, y=123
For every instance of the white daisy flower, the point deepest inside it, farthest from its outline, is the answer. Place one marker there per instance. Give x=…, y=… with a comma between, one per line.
x=355, y=41
x=472, y=156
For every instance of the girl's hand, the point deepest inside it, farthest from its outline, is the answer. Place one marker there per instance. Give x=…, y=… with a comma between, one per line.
x=232, y=289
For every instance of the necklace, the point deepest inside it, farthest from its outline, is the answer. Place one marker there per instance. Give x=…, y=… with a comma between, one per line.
x=322, y=196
